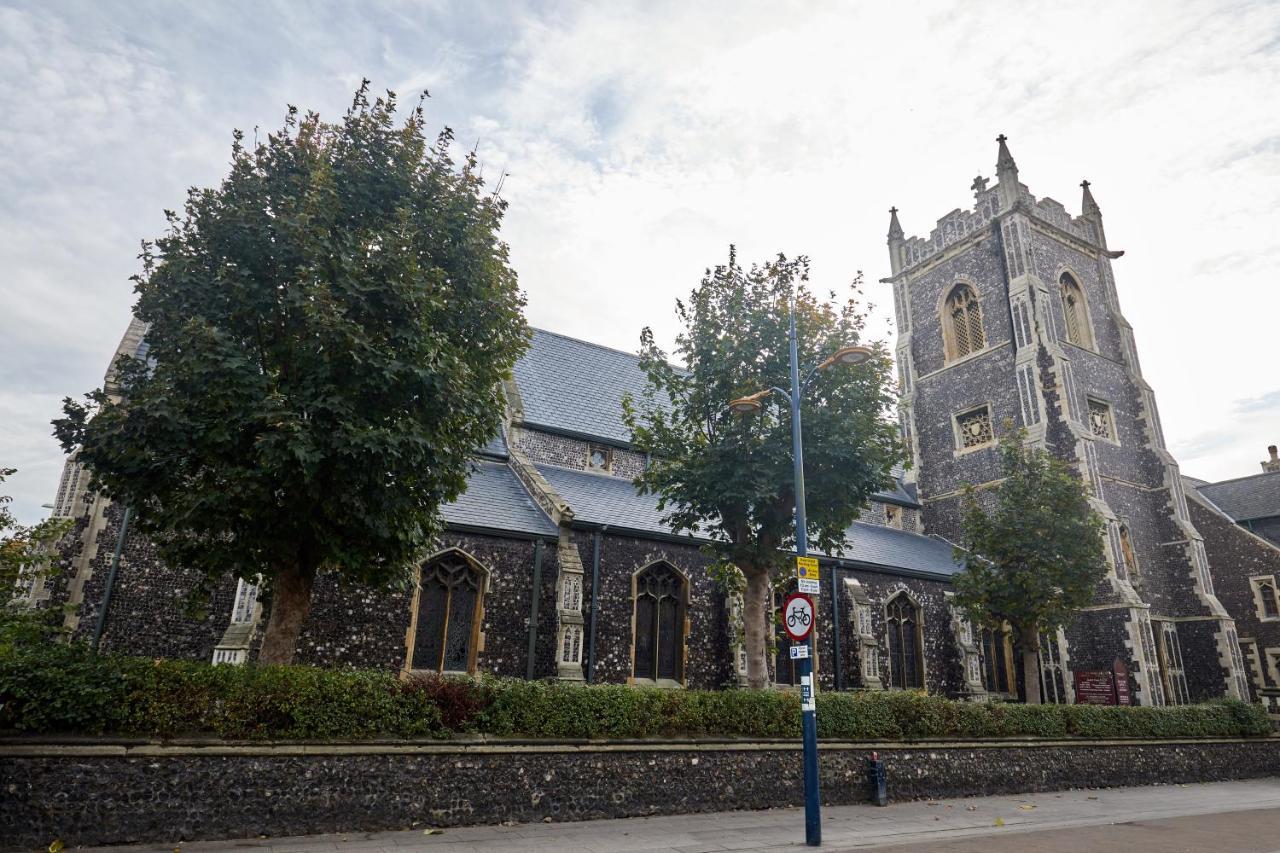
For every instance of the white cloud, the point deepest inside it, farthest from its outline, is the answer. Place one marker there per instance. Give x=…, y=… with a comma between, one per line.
x=641, y=139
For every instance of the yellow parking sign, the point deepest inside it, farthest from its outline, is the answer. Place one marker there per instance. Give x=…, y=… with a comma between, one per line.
x=807, y=568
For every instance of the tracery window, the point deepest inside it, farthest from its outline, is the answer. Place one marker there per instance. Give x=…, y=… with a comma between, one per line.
x=1172, y=672
x=571, y=644
x=450, y=598
x=1101, y=423
x=659, y=621
x=974, y=428
x=1075, y=312
x=962, y=317
x=906, y=664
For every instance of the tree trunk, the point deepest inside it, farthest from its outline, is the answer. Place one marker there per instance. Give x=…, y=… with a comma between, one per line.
x=1030, y=671
x=756, y=616
x=290, y=604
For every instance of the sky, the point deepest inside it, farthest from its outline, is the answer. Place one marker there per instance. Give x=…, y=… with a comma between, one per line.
x=640, y=139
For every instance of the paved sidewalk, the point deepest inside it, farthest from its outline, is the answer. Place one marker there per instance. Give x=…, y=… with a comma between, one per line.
x=926, y=825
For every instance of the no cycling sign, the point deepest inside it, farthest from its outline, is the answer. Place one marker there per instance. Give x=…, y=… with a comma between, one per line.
x=797, y=616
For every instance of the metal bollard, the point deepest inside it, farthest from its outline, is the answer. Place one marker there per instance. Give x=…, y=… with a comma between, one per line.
x=876, y=779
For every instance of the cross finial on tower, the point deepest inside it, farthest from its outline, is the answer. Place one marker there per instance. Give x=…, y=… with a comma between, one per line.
x=1002, y=139
x=979, y=185
x=895, y=230
x=1087, y=204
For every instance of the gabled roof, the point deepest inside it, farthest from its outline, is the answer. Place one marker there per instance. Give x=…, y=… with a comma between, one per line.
x=602, y=499
x=574, y=387
x=495, y=500
x=1246, y=498
x=571, y=386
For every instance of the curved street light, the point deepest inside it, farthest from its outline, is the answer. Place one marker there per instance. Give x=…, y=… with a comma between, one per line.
x=752, y=404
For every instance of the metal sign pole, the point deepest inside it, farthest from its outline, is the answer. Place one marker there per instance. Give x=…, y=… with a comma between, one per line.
x=808, y=715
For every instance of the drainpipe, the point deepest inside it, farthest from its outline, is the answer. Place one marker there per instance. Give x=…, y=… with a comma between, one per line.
x=835, y=626
x=595, y=601
x=533, y=606
x=111, y=580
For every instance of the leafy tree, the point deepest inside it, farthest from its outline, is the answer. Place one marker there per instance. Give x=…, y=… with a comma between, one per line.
x=730, y=476
x=1032, y=550
x=327, y=333
x=23, y=548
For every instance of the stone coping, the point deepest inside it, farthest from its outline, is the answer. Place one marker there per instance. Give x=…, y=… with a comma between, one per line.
x=45, y=747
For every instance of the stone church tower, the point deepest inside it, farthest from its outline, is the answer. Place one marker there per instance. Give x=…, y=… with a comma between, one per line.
x=1008, y=313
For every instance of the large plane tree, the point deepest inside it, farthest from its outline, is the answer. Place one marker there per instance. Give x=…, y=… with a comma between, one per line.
x=327, y=331
x=728, y=476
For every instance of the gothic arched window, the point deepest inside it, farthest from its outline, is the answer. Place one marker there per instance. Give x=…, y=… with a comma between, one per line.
x=906, y=664
x=1270, y=603
x=1075, y=312
x=997, y=660
x=450, y=599
x=962, y=318
x=659, y=621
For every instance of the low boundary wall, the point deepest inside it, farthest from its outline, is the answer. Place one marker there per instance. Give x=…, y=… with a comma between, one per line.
x=109, y=792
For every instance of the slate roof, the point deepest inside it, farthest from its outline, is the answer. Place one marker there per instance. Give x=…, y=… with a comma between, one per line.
x=568, y=385
x=496, y=447
x=496, y=500
x=613, y=501
x=1246, y=498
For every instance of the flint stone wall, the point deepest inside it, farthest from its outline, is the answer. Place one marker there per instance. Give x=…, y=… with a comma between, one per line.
x=119, y=792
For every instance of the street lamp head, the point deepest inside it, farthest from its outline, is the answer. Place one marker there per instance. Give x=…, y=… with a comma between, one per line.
x=848, y=355
x=748, y=405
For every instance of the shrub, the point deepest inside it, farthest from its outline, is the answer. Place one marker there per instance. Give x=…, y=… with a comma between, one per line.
x=61, y=688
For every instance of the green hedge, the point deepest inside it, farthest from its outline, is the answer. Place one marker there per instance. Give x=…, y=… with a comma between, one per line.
x=64, y=689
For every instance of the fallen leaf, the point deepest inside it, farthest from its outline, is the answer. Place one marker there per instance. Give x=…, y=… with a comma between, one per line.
x=1093, y=798
x=56, y=846
x=971, y=808
x=432, y=831
x=1026, y=807
x=999, y=822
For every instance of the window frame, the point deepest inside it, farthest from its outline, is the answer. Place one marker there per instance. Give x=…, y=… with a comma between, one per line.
x=681, y=633
x=1113, y=436
x=950, y=342
x=958, y=432
x=1259, y=584
x=1068, y=281
x=592, y=447
x=889, y=621
x=475, y=643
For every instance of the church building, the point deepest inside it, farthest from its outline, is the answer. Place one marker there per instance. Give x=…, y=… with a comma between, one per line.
x=552, y=566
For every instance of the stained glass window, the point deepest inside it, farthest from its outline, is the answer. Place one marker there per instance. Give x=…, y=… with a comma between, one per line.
x=905, y=664
x=448, y=603
x=659, y=641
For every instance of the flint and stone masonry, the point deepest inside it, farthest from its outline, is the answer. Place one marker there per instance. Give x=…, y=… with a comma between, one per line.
x=552, y=566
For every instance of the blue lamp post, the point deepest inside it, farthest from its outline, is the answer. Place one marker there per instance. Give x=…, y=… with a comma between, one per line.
x=750, y=405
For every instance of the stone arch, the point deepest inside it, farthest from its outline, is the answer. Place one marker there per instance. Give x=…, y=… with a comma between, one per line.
x=904, y=636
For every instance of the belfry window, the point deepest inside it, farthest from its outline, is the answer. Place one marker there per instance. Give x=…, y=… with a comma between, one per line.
x=659, y=624
x=906, y=664
x=962, y=319
x=450, y=599
x=1075, y=312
